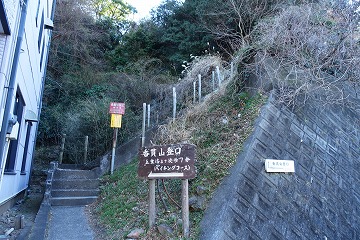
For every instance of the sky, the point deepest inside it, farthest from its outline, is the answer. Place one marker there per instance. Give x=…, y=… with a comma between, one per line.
x=143, y=7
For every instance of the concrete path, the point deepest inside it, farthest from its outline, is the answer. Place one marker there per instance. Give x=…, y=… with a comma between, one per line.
x=68, y=223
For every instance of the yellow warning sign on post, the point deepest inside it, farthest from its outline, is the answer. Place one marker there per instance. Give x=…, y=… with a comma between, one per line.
x=116, y=120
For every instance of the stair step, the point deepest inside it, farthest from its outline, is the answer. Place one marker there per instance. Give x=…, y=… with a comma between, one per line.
x=75, y=184
x=72, y=166
x=74, y=192
x=72, y=201
x=74, y=174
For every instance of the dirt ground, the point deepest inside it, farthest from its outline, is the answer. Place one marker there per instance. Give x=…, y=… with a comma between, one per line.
x=26, y=208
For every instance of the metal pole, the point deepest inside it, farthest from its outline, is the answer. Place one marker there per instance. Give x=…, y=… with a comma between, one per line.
x=174, y=103
x=113, y=150
x=213, y=80
x=86, y=148
x=232, y=70
x=148, y=115
x=62, y=148
x=194, y=90
x=143, y=126
x=199, y=76
x=218, y=75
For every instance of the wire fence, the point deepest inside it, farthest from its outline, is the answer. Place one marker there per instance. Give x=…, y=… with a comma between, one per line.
x=170, y=102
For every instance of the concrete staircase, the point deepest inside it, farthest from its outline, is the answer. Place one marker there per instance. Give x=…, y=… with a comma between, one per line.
x=73, y=186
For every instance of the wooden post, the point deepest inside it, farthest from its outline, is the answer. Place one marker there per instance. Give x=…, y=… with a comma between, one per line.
x=185, y=207
x=62, y=148
x=213, y=80
x=199, y=76
x=152, y=206
x=113, y=150
x=86, y=144
x=143, y=126
x=148, y=115
x=174, y=103
x=194, y=92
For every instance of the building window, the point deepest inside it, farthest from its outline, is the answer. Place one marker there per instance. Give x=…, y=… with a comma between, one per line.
x=11, y=157
x=4, y=24
x=41, y=30
x=37, y=13
x=26, y=148
x=42, y=53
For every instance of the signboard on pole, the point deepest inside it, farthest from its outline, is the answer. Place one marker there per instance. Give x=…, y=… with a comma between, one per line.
x=117, y=108
x=167, y=161
x=116, y=120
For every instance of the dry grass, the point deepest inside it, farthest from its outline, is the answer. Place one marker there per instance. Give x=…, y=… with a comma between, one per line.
x=218, y=126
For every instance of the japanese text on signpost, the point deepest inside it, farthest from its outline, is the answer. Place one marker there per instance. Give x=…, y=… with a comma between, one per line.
x=167, y=161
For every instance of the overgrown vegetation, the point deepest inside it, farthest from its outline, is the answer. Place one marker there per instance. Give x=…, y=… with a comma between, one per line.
x=218, y=127
x=98, y=56
x=296, y=47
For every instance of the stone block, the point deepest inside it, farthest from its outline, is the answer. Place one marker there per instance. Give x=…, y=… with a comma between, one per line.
x=271, y=118
x=294, y=140
x=260, y=148
x=320, y=162
x=320, y=142
x=319, y=173
x=267, y=126
x=296, y=130
x=268, y=189
x=294, y=234
x=285, y=120
x=264, y=137
x=246, y=189
x=317, y=202
x=332, y=186
x=263, y=205
x=252, y=174
x=309, y=132
x=258, y=224
x=241, y=206
x=273, y=109
x=293, y=151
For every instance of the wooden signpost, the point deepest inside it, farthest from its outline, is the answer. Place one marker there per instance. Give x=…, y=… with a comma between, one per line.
x=176, y=161
x=116, y=110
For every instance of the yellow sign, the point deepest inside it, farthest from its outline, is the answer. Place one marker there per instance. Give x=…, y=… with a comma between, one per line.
x=116, y=120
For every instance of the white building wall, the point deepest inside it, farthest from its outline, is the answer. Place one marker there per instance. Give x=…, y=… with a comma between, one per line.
x=29, y=79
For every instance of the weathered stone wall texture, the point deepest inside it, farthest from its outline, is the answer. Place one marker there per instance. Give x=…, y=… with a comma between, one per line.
x=321, y=200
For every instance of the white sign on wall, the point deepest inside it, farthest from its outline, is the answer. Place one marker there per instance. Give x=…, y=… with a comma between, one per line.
x=284, y=166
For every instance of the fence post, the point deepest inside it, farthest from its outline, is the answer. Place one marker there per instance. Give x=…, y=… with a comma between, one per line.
x=218, y=75
x=143, y=126
x=174, y=103
x=86, y=148
x=232, y=71
x=148, y=115
x=62, y=148
x=199, y=76
x=213, y=79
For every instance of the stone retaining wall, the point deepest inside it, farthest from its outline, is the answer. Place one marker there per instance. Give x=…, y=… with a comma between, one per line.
x=321, y=200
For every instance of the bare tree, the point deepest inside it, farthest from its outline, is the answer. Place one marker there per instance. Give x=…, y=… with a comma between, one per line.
x=311, y=49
